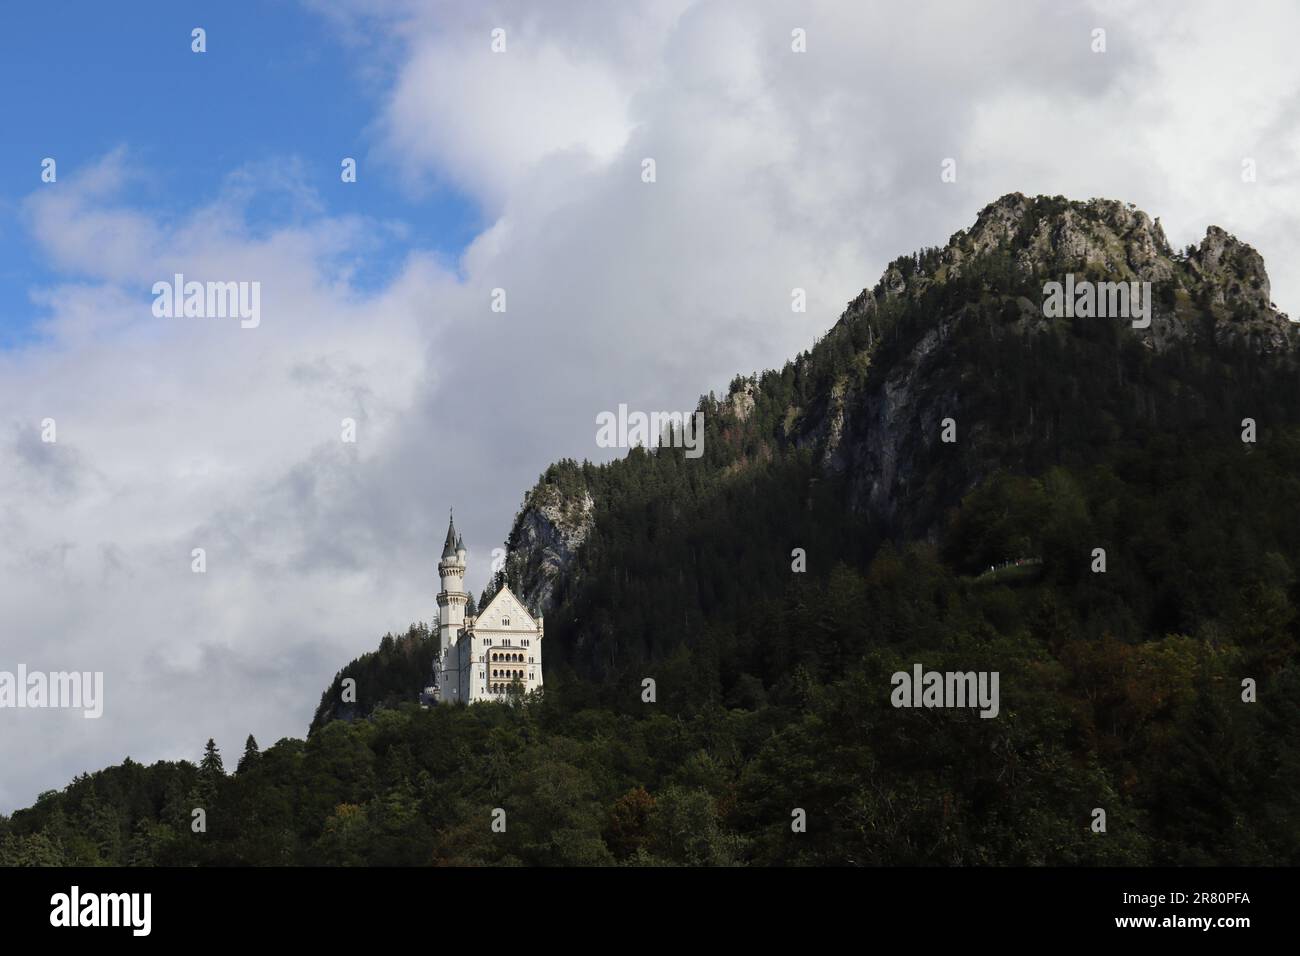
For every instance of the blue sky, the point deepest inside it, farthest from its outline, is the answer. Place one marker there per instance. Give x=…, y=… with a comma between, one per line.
x=277, y=84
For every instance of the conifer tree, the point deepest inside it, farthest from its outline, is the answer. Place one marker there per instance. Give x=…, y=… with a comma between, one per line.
x=251, y=753
x=211, y=766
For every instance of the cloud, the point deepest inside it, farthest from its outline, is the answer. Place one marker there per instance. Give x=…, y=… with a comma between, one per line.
x=176, y=434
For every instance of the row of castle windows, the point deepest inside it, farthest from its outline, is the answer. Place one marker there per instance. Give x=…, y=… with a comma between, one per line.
x=487, y=641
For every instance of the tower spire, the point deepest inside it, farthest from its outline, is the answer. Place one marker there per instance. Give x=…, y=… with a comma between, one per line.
x=449, y=548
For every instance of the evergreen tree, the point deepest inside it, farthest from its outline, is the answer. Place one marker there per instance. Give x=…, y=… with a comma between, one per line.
x=251, y=753
x=210, y=768
x=210, y=777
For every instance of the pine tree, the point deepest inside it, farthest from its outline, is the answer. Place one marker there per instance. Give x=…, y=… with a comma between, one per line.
x=211, y=775
x=251, y=753
x=211, y=768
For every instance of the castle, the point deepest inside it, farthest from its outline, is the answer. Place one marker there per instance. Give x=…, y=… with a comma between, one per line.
x=485, y=656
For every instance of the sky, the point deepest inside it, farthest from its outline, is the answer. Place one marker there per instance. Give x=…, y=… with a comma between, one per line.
x=518, y=169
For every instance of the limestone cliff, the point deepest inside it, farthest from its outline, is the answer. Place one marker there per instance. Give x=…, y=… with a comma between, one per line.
x=555, y=519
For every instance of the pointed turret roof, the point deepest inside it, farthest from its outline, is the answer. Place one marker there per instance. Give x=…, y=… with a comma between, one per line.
x=460, y=542
x=449, y=549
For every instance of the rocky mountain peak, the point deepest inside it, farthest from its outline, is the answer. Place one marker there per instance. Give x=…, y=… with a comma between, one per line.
x=1231, y=268
x=989, y=281
x=1046, y=237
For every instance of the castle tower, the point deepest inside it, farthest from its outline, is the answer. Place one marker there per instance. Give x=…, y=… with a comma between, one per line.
x=451, y=608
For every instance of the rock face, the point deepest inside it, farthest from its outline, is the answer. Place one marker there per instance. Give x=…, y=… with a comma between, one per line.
x=742, y=400
x=554, y=521
x=1118, y=240
x=1102, y=234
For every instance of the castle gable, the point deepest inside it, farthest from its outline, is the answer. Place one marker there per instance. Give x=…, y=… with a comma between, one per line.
x=504, y=606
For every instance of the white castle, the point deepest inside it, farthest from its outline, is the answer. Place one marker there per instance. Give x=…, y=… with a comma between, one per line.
x=484, y=656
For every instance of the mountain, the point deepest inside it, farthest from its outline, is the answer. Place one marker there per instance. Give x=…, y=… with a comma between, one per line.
x=855, y=423
x=1134, y=487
